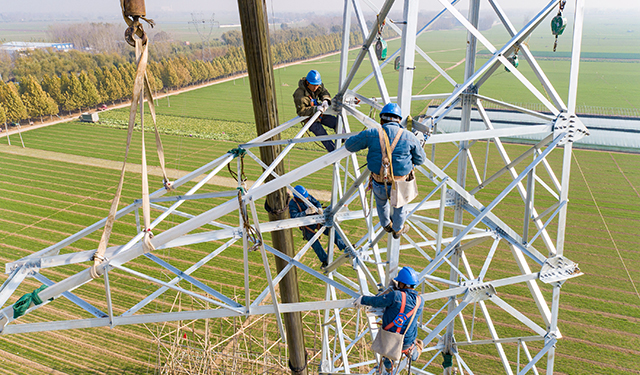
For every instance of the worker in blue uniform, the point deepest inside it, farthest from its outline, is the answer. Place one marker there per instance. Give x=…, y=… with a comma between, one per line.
x=399, y=305
x=405, y=155
x=298, y=208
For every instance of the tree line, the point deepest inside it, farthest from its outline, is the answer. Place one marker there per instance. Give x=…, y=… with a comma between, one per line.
x=46, y=83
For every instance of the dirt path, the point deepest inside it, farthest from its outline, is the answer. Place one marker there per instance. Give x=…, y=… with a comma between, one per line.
x=173, y=174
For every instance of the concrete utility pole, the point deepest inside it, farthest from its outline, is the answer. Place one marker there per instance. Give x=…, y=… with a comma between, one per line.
x=255, y=35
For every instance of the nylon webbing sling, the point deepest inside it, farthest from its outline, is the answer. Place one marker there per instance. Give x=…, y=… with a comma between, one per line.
x=141, y=90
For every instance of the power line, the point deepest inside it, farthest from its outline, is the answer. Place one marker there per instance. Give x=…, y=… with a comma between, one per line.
x=204, y=27
x=607, y=227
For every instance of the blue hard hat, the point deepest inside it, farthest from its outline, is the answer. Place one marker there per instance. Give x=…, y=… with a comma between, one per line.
x=391, y=109
x=300, y=189
x=408, y=276
x=313, y=77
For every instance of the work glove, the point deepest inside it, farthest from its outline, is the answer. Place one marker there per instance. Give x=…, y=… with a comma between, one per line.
x=320, y=211
x=420, y=136
x=310, y=211
x=357, y=303
x=325, y=105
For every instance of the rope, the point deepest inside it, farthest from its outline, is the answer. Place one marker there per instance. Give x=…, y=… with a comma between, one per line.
x=238, y=152
x=252, y=234
x=607, y=227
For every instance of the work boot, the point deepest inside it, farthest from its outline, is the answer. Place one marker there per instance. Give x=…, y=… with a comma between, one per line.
x=324, y=265
x=417, y=350
x=386, y=371
x=403, y=230
x=388, y=228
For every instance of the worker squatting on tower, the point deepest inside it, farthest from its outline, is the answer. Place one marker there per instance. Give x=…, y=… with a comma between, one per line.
x=298, y=208
x=312, y=96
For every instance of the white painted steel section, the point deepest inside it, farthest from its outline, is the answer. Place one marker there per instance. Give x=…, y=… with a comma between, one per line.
x=349, y=201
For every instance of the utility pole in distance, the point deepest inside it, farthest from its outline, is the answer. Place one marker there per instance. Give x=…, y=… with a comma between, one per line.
x=255, y=35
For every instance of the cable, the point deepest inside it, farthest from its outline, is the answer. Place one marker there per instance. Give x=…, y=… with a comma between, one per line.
x=607, y=227
x=624, y=175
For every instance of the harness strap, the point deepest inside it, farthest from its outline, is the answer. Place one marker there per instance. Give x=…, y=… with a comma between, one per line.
x=401, y=313
x=306, y=226
x=387, y=151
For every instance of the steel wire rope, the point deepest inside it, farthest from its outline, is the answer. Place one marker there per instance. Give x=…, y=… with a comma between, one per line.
x=606, y=226
x=624, y=175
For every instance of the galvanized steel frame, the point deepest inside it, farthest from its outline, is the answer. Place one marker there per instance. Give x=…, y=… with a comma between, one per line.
x=374, y=265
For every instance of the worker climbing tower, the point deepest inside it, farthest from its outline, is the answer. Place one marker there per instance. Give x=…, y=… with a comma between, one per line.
x=487, y=236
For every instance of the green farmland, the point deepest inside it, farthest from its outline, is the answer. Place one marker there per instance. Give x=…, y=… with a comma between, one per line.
x=43, y=201
x=63, y=181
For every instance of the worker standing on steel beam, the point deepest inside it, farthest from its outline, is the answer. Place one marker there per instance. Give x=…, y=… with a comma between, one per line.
x=406, y=152
x=402, y=305
x=312, y=96
x=298, y=208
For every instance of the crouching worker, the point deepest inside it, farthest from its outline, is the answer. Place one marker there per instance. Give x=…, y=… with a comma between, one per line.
x=312, y=96
x=298, y=208
x=402, y=307
x=406, y=152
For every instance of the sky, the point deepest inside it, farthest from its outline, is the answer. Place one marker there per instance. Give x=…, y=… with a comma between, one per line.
x=297, y=6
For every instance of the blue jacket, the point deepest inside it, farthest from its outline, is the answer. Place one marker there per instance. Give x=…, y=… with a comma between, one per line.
x=392, y=302
x=297, y=208
x=407, y=153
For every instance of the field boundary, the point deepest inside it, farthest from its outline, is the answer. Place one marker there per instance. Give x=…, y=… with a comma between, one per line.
x=24, y=128
x=131, y=167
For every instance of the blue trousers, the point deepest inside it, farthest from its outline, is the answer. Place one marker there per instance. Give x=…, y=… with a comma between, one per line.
x=318, y=129
x=317, y=248
x=386, y=213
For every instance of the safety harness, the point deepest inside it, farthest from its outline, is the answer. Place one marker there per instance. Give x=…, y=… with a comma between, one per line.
x=401, y=318
x=399, y=322
x=312, y=228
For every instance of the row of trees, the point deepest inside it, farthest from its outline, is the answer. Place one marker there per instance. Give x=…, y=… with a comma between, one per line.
x=49, y=83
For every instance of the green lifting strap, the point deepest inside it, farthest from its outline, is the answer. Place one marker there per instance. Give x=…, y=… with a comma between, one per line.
x=448, y=360
x=22, y=305
x=238, y=151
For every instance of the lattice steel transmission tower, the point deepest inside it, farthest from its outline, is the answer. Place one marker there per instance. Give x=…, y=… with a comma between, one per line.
x=490, y=251
x=204, y=26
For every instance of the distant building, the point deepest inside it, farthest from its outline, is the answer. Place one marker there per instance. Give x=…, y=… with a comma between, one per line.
x=12, y=47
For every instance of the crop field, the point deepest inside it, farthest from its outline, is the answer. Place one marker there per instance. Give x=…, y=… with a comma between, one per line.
x=43, y=201
x=603, y=83
x=63, y=182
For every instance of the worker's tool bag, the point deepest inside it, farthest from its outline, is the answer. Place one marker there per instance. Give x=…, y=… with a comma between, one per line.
x=388, y=343
x=404, y=189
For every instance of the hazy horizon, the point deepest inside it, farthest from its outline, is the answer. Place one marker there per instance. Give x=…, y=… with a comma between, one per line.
x=112, y=8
